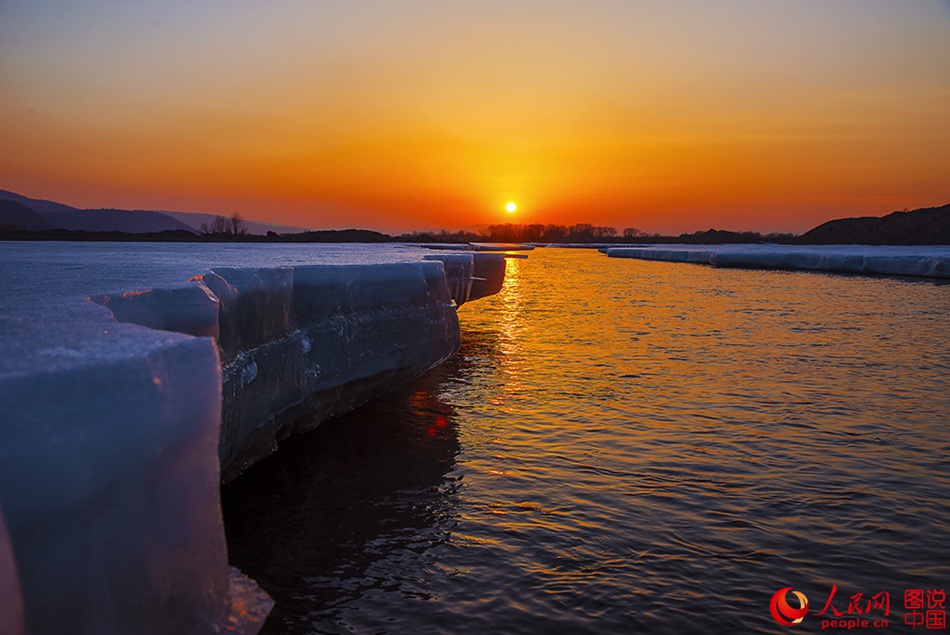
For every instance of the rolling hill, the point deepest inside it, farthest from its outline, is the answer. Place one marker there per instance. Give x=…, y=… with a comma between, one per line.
x=21, y=212
x=927, y=226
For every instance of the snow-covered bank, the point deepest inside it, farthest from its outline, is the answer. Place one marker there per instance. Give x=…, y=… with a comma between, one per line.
x=119, y=416
x=923, y=261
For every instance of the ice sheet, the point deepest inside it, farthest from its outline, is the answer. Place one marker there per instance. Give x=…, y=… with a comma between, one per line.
x=919, y=261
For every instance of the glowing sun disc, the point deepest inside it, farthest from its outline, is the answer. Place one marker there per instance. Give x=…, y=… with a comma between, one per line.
x=511, y=207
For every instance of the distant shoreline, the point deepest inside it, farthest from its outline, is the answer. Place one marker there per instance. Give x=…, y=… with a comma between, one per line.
x=710, y=237
x=26, y=219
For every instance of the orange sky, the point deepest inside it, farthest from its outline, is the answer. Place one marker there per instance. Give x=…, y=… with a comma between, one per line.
x=672, y=116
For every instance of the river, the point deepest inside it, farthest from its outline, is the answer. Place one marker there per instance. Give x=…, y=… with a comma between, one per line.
x=627, y=446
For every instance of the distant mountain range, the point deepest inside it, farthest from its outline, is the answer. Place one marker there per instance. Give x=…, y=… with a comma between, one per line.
x=21, y=212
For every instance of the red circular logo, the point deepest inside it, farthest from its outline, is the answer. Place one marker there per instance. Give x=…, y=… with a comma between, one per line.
x=782, y=611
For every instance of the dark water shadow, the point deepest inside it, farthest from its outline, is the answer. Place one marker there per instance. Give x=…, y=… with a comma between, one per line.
x=353, y=506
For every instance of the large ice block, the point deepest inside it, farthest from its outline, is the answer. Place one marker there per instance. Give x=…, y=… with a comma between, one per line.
x=191, y=309
x=256, y=306
x=322, y=337
x=328, y=336
x=459, y=274
x=359, y=331
x=109, y=479
x=489, y=275
x=473, y=275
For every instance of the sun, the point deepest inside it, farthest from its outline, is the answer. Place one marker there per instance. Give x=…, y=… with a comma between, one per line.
x=511, y=207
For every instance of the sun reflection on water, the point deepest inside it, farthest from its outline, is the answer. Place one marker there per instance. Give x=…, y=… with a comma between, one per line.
x=512, y=325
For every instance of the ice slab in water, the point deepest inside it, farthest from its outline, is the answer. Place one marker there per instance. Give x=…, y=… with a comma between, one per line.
x=459, y=272
x=359, y=331
x=109, y=479
x=473, y=275
x=328, y=336
x=921, y=261
x=489, y=275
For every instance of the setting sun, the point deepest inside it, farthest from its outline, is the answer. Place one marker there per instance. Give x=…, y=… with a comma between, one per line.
x=511, y=207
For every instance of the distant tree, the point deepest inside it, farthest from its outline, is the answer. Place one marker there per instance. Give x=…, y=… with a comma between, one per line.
x=581, y=232
x=505, y=233
x=554, y=233
x=238, y=226
x=532, y=232
x=632, y=232
x=218, y=226
x=536, y=232
x=234, y=226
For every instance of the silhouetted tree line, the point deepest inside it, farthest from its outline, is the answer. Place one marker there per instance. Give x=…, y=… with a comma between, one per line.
x=510, y=232
x=536, y=232
x=586, y=233
x=442, y=236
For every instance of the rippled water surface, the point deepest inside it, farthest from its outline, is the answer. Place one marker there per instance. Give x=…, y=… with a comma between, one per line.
x=624, y=446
